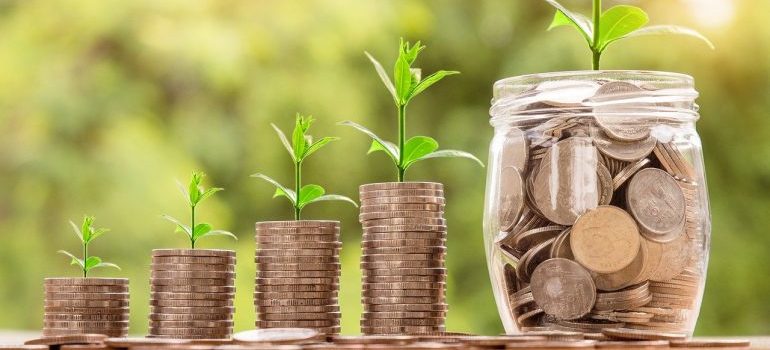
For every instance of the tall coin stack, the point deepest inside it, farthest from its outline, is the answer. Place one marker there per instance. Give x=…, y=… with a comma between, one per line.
x=86, y=305
x=298, y=274
x=192, y=293
x=404, y=245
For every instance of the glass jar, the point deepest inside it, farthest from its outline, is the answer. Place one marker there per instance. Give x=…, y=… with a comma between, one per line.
x=596, y=211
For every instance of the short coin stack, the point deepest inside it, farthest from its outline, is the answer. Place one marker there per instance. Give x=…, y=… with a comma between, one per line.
x=404, y=245
x=86, y=305
x=298, y=275
x=192, y=293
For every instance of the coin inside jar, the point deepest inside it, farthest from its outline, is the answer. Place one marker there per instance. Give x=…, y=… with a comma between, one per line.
x=511, y=197
x=656, y=201
x=605, y=239
x=563, y=288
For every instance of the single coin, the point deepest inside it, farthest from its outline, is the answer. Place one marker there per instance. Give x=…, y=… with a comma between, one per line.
x=193, y=267
x=297, y=324
x=86, y=289
x=402, y=300
x=404, y=200
x=657, y=203
x=190, y=317
x=192, y=274
x=404, y=272
x=610, y=102
x=85, y=296
x=564, y=192
x=403, y=243
x=605, y=239
x=299, y=252
x=68, y=339
x=434, y=307
x=261, y=259
x=384, y=236
x=191, y=303
x=298, y=287
x=191, y=289
x=298, y=274
x=297, y=309
x=126, y=343
x=711, y=343
x=511, y=197
x=401, y=193
x=295, y=302
x=277, y=336
x=298, y=223
x=606, y=187
x=563, y=288
x=623, y=277
x=400, y=186
x=194, y=252
x=400, y=214
x=193, y=260
x=625, y=151
x=298, y=267
x=219, y=310
x=191, y=296
x=628, y=171
x=86, y=310
x=376, y=208
x=191, y=324
x=298, y=316
x=515, y=149
x=91, y=281
x=407, y=264
x=405, y=250
x=638, y=334
x=674, y=257
x=86, y=317
x=526, y=240
x=87, y=303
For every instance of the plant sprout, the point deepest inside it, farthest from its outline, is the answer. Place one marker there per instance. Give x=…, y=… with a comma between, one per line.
x=86, y=234
x=302, y=146
x=407, y=83
x=618, y=22
x=194, y=194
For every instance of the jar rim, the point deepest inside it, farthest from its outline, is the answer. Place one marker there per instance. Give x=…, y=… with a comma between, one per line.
x=684, y=80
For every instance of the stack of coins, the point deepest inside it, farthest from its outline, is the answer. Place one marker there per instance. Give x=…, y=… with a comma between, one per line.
x=86, y=305
x=609, y=210
x=192, y=293
x=404, y=245
x=298, y=275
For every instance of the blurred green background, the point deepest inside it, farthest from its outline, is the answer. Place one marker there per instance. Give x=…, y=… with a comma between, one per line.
x=104, y=103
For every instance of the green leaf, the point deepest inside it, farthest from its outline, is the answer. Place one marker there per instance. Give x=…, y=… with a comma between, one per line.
x=416, y=148
x=566, y=17
x=669, y=29
x=308, y=193
x=385, y=146
x=403, y=79
x=333, y=197
x=618, y=22
x=284, y=141
x=193, y=188
x=449, y=153
x=77, y=231
x=410, y=52
x=200, y=230
x=280, y=189
x=75, y=260
x=222, y=233
x=383, y=76
x=180, y=227
x=209, y=192
x=98, y=232
x=86, y=228
x=430, y=80
x=315, y=146
x=107, y=264
x=92, y=262
x=298, y=139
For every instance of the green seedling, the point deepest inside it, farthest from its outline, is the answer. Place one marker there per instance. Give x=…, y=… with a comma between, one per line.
x=407, y=83
x=300, y=147
x=618, y=22
x=86, y=234
x=194, y=194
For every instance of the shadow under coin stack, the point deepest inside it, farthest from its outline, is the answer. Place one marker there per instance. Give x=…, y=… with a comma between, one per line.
x=403, y=246
x=298, y=272
x=192, y=293
x=86, y=305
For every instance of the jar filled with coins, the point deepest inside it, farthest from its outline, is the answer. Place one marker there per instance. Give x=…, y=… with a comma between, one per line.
x=596, y=212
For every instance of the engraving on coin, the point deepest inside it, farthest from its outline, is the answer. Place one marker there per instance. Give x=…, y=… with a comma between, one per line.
x=605, y=239
x=563, y=288
x=657, y=203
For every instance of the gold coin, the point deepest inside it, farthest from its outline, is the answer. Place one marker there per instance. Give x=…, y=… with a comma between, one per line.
x=400, y=186
x=625, y=276
x=194, y=252
x=605, y=239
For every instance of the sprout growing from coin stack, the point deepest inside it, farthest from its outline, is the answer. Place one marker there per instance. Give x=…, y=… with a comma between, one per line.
x=192, y=290
x=87, y=304
x=298, y=260
x=404, y=241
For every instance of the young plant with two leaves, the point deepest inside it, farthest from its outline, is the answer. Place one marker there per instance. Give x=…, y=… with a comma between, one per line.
x=86, y=233
x=194, y=194
x=302, y=146
x=618, y=22
x=407, y=83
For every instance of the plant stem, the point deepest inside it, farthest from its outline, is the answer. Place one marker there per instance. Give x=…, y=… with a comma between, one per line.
x=192, y=221
x=401, y=141
x=297, y=187
x=85, y=257
x=597, y=54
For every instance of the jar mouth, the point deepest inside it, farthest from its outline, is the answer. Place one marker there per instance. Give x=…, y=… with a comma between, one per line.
x=614, y=92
